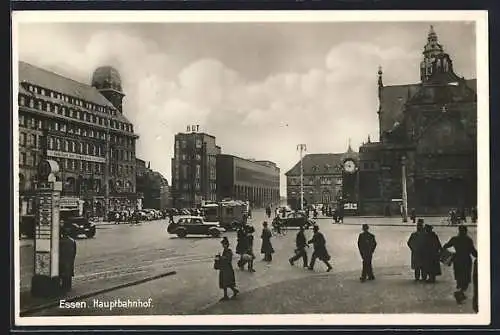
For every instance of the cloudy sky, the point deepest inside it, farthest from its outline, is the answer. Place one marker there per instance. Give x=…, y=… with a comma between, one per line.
x=259, y=88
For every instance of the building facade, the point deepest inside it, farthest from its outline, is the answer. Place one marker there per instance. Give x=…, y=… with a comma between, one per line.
x=427, y=138
x=328, y=179
x=194, y=177
x=83, y=128
x=152, y=186
x=242, y=179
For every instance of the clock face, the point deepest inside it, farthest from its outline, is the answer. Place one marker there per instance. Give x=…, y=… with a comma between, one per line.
x=349, y=166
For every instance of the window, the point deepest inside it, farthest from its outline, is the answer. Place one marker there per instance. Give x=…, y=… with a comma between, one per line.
x=22, y=139
x=21, y=120
x=42, y=91
x=56, y=126
x=47, y=107
x=183, y=144
x=33, y=140
x=63, y=127
x=73, y=146
x=66, y=145
x=80, y=148
x=84, y=165
x=198, y=171
x=56, y=109
x=67, y=163
x=73, y=164
x=183, y=157
x=22, y=101
x=39, y=104
x=58, y=144
x=198, y=157
x=40, y=124
x=51, y=143
x=84, y=132
x=198, y=143
x=23, y=158
x=30, y=160
x=32, y=103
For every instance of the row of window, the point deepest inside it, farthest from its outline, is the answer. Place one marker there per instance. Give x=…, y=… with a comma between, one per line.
x=183, y=144
x=34, y=123
x=75, y=113
x=71, y=100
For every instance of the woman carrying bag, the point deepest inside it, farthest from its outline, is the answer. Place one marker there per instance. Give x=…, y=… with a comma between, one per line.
x=223, y=263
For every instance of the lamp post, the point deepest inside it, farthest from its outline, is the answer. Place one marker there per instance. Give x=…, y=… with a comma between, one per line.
x=301, y=148
x=404, y=191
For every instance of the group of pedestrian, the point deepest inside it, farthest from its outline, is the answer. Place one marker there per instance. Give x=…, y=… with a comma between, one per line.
x=427, y=253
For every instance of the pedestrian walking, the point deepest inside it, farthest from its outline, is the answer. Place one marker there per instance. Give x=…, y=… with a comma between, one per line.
x=475, y=306
x=171, y=217
x=267, y=247
x=413, y=215
x=241, y=245
x=67, y=255
x=268, y=212
x=223, y=263
x=319, y=243
x=431, y=252
x=366, y=245
x=416, y=245
x=300, y=251
x=462, y=261
x=249, y=252
x=473, y=214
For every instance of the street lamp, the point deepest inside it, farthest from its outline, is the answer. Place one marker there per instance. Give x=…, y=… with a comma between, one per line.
x=301, y=148
x=404, y=195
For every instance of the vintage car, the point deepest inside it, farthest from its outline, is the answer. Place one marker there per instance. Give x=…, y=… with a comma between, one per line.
x=295, y=219
x=79, y=225
x=194, y=225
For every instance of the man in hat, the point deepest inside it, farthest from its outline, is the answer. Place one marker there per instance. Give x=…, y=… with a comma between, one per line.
x=300, y=251
x=366, y=246
x=67, y=254
x=415, y=243
x=319, y=243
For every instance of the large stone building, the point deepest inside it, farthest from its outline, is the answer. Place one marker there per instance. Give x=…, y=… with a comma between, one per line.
x=194, y=177
x=430, y=128
x=83, y=128
x=153, y=187
x=328, y=179
x=243, y=179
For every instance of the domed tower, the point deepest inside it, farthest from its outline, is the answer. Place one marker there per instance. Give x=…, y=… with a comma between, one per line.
x=432, y=51
x=108, y=82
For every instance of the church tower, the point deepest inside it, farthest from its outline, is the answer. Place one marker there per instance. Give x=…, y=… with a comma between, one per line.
x=108, y=82
x=433, y=51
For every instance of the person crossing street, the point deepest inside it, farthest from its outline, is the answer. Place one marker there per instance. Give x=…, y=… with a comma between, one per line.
x=301, y=245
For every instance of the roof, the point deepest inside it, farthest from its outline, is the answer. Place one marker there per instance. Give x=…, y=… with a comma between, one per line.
x=37, y=76
x=320, y=164
x=394, y=97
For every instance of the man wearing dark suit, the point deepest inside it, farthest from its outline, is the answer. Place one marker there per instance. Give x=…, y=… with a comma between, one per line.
x=366, y=246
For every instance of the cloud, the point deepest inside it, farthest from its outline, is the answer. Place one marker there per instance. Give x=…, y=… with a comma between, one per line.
x=264, y=119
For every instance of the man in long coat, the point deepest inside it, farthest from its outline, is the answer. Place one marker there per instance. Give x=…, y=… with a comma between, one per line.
x=416, y=244
x=319, y=243
x=431, y=252
x=300, y=251
x=367, y=245
x=67, y=254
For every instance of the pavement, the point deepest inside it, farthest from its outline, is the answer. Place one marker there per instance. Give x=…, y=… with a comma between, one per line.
x=393, y=291
x=124, y=254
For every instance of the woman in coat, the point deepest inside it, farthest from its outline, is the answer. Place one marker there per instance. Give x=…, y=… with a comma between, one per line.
x=431, y=253
x=226, y=272
x=415, y=243
x=241, y=245
x=462, y=261
x=267, y=247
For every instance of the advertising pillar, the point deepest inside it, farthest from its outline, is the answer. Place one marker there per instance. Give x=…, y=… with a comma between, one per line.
x=45, y=280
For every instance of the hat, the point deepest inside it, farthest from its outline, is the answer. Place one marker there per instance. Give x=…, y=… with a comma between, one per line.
x=420, y=222
x=264, y=223
x=315, y=227
x=224, y=241
x=462, y=229
x=365, y=226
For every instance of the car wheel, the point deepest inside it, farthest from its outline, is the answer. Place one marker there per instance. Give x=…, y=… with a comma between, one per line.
x=181, y=233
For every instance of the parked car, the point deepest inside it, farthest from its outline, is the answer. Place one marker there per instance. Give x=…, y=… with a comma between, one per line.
x=296, y=219
x=194, y=225
x=79, y=225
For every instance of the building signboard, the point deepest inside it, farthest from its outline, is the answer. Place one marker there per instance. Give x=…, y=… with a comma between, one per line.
x=71, y=155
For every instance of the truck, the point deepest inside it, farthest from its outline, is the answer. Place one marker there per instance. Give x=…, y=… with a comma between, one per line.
x=228, y=213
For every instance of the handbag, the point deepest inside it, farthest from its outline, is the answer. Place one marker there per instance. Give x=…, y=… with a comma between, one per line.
x=217, y=262
x=446, y=257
